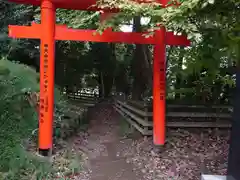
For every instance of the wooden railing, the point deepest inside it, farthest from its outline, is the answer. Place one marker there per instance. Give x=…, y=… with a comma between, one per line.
x=139, y=115
x=84, y=98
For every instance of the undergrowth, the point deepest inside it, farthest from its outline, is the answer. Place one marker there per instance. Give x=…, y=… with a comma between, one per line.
x=18, y=120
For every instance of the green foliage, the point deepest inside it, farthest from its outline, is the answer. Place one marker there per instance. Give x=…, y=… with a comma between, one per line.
x=24, y=166
x=212, y=26
x=12, y=13
x=18, y=121
x=17, y=118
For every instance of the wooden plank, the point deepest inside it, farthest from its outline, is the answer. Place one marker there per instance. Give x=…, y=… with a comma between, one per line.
x=194, y=125
x=87, y=104
x=194, y=115
x=139, y=112
x=83, y=100
x=199, y=124
x=82, y=94
x=82, y=97
x=199, y=106
x=85, y=97
x=188, y=124
x=143, y=104
x=134, y=124
x=179, y=114
x=139, y=120
x=198, y=115
x=140, y=104
x=124, y=108
x=83, y=105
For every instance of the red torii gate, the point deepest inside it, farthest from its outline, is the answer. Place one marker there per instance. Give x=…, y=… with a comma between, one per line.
x=48, y=32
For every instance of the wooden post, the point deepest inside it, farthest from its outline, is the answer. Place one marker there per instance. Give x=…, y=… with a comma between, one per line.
x=146, y=118
x=234, y=149
x=47, y=56
x=159, y=71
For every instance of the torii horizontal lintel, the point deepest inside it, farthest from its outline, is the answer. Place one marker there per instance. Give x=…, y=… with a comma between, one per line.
x=64, y=33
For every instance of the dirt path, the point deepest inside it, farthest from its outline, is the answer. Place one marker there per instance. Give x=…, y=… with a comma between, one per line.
x=109, y=156
x=102, y=146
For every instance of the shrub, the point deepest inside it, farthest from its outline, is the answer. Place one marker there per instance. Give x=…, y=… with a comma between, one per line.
x=18, y=119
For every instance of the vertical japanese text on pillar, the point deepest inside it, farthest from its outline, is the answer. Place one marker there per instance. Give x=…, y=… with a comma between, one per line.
x=44, y=98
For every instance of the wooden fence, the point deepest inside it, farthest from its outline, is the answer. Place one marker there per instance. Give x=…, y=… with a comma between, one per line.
x=139, y=115
x=85, y=99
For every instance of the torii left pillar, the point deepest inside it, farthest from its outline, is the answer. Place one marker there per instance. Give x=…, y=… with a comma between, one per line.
x=47, y=58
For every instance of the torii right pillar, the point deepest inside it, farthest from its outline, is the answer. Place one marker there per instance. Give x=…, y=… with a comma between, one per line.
x=159, y=87
x=159, y=82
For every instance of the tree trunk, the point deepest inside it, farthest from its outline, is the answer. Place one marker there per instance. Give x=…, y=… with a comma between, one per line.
x=106, y=67
x=178, y=75
x=100, y=88
x=234, y=149
x=141, y=66
x=102, y=85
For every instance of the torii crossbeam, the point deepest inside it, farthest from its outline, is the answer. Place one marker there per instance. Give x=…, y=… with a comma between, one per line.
x=62, y=32
x=48, y=32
